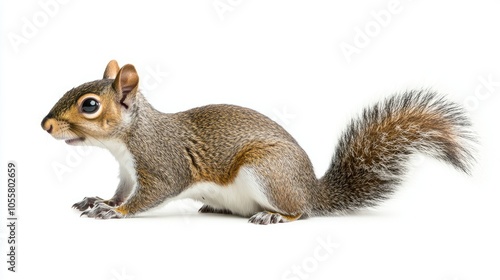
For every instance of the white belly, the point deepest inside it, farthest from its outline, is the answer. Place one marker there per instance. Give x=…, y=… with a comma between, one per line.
x=245, y=196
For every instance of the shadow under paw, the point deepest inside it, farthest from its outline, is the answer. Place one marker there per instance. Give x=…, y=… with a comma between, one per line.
x=209, y=209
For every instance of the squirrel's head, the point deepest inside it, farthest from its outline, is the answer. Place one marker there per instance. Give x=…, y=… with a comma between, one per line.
x=95, y=110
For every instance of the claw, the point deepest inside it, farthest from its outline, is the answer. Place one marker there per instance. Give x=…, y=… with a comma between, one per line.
x=266, y=218
x=87, y=202
x=101, y=210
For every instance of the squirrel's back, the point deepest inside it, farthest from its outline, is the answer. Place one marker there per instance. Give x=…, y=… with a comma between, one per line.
x=231, y=124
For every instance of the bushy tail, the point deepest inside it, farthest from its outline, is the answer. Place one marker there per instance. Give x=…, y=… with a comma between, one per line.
x=373, y=153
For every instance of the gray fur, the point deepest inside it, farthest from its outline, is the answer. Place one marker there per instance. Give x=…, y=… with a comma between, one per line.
x=172, y=152
x=369, y=164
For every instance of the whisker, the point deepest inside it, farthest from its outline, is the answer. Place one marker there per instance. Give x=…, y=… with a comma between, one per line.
x=78, y=131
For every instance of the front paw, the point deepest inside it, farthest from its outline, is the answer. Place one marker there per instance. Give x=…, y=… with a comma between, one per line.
x=87, y=202
x=103, y=211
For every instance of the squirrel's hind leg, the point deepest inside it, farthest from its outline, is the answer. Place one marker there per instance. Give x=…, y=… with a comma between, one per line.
x=285, y=183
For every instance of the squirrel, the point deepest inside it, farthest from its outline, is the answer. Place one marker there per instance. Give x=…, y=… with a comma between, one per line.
x=238, y=161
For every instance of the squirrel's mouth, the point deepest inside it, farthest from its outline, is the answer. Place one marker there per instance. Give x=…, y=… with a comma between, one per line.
x=74, y=140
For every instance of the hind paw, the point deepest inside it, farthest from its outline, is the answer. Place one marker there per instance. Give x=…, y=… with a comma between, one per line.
x=266, y=218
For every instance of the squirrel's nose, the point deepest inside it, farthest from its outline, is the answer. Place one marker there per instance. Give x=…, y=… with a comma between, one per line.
x=48, y=123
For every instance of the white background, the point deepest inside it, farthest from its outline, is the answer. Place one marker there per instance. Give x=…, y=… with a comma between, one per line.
x=284, y=59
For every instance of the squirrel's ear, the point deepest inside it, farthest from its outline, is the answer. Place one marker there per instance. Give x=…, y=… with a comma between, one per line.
x=111, y=70
x=126, y=84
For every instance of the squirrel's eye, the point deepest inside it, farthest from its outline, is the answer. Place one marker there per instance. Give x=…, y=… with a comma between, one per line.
x=90, y=105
